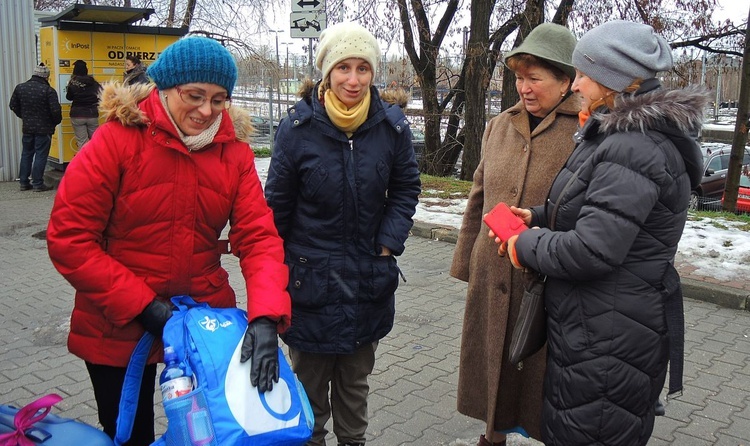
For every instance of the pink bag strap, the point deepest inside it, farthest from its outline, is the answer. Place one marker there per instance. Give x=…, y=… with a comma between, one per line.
x=26, y=417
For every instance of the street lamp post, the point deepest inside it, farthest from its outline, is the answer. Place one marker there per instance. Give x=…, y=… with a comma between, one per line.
x=278, y=70
x=286, y=72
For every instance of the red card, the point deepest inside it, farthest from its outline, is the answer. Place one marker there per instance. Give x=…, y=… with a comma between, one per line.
x=504, y=223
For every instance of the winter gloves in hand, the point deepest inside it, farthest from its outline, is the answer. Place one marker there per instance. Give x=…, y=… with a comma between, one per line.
x=155, y=316
x=261, y=346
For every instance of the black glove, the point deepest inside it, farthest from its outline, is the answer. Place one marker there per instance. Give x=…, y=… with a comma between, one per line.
x=261, y=345
x=154, y=317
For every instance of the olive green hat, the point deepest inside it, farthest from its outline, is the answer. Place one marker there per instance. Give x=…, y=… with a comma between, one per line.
x=552, y=43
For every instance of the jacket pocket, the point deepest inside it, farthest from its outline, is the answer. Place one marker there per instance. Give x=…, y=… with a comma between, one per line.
x=308, y=276
x=313, y=181
x=573, y=323
x=383, y=279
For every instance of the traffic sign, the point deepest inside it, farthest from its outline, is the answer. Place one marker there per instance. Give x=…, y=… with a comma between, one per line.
x=307, y=24
x=308, y=5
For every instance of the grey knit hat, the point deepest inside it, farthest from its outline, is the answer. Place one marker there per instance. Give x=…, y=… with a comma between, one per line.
x=552, y=43
x=42, y=71
x=616, y=53
x=343, y=41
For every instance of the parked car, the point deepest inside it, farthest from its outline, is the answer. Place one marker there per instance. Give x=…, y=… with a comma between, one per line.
x=743, y=193
x=262, y=125
x=417, y=141
x=709, y=192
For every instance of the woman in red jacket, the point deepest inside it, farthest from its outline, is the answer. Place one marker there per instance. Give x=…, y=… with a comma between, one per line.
x=138, y=215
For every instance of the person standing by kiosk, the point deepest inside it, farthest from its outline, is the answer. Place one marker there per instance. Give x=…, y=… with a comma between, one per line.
x=38, y=106
x=83, y=92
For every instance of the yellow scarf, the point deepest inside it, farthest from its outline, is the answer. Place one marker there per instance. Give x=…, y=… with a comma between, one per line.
x=346, y=119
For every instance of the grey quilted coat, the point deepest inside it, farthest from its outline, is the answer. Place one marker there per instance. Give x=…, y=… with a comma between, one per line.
x=618, y=209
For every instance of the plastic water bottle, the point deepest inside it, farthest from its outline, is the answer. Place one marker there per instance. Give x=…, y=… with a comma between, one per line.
x=173, y=380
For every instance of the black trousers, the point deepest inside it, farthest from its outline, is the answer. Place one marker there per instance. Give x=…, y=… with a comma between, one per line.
x=107, y=382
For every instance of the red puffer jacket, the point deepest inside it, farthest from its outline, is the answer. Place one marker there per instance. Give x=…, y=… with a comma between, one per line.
x=138, y=216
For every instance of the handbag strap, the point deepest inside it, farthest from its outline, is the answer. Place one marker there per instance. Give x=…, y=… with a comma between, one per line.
x=131, y=389
x=26, y=417
x=675, y=315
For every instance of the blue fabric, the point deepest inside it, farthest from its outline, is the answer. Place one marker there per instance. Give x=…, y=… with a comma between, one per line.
x=194, y=59
x=224, y=408
x=131, y=389
x=34, y=159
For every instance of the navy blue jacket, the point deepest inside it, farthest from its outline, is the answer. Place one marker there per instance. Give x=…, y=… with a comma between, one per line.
x=36, y=103
x=336, y=201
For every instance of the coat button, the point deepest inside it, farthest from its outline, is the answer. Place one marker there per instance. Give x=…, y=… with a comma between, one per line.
x=503, y=288
x=514, y=191
x=297, y=284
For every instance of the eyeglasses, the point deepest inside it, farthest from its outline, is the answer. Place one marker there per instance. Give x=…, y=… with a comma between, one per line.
x=197, y=99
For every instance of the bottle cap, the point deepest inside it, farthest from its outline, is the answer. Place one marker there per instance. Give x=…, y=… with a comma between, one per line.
x=169, y=354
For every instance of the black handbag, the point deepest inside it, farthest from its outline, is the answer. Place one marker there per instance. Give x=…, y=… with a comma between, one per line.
x=530, y=332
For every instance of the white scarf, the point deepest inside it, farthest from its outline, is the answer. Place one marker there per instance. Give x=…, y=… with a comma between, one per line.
x=198, y=141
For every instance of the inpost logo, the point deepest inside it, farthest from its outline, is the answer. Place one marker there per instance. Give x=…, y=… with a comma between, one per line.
x=70, y=46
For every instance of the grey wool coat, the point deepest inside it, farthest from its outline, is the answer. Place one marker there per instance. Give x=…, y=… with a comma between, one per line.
x=517, y=167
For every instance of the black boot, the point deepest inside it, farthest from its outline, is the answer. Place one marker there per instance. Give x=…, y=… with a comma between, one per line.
x=659, y=408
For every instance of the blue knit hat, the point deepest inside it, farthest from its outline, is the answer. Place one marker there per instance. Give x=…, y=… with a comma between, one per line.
x=194, y=59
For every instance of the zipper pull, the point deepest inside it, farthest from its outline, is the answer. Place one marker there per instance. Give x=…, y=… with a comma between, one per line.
x=351, y=145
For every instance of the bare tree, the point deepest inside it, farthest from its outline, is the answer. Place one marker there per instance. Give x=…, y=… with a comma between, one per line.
x=740, y=131
x=425, y=67
x=454, y=122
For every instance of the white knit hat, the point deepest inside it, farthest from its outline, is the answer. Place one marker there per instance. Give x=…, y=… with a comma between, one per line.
x=344, y=41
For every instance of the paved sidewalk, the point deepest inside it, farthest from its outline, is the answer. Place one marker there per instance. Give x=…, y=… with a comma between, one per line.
x=414, y=384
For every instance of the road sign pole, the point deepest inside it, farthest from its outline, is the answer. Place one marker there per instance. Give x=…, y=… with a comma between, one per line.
x=309, y=57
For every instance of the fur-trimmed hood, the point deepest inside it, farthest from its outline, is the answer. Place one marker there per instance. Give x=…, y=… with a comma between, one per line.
x=119, y=102
x=654, y=109
x=678, y=114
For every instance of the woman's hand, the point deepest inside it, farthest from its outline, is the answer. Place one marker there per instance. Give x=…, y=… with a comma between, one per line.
x=525, y=214
x=385, y=251
x=502, y=247
x=508, y=248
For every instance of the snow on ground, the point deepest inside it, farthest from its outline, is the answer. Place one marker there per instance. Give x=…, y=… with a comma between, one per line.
x=714, y=246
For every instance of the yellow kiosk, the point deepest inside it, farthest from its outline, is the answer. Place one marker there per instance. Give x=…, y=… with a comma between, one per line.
x=101, y=36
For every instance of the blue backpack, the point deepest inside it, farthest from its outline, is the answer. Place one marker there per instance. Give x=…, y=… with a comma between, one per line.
x=224, y=408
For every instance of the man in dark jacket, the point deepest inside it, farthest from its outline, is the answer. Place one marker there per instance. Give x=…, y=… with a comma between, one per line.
x=36, y=103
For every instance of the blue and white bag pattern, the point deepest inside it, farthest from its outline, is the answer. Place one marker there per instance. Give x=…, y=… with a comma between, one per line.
x=224, y=408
